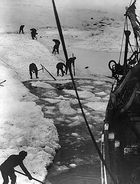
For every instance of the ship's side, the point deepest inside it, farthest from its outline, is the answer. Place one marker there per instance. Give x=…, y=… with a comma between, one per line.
x=121, y=131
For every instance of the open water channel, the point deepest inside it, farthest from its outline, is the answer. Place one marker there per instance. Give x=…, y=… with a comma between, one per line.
x=77, y=161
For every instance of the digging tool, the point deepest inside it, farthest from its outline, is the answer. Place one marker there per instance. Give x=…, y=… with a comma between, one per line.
x=2, y=82
x=48, y=72
x=26, y=175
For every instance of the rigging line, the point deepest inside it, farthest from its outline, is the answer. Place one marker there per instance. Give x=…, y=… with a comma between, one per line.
x=131, y=2
x=90, y=132
x=122, y=40
x=130, y=46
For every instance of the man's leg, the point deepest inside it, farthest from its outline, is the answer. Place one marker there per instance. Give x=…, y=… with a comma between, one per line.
x=12, y=177
x=62, y=72
x=32, y=35
x=53, y=50
x=57, y=72
x=36, y=73
x=67, y=67
x=57, y=50
x=5, y=178
x=30, y=74
x=35, y=37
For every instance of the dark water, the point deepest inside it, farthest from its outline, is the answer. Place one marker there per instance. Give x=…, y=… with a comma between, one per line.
x=77, y=160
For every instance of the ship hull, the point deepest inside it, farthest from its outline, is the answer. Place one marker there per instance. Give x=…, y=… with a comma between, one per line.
x=121, y=144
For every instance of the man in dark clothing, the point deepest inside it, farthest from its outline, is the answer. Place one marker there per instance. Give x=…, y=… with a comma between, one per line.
x=33, y=69
x=69, y=64
x=21, y=29
x=7, y=167
x=60, y=67
x=56, y=46
x=33, y=33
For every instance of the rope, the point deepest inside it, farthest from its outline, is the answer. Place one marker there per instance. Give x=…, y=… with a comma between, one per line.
x=131, y=46
x=66, y=56
x=130, y=2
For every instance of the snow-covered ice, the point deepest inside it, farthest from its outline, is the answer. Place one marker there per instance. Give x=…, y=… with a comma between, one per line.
x=22, y=123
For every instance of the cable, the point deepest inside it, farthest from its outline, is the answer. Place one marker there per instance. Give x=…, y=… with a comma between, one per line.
x=66, y=56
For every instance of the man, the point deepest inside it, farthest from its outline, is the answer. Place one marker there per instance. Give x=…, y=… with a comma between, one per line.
x=33, y=69
x=56, y=46
x=33, y=33
x=7, y=167
x=60, y=67
x=21, y=29
x=69, y=63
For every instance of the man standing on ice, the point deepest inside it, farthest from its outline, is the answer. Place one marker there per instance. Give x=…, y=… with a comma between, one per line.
x=69, y=64
x=60, y=67
x=33, y=33
x=56, y=46
x=33, y=69
x=21, y=29
x=7, y=167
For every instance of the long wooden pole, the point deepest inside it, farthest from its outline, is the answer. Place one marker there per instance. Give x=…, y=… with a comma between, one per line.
x=26, y=175
x=2, y=82
x=48, y=72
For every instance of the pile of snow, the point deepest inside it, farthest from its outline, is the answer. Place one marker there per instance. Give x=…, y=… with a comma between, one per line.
x=22, y=124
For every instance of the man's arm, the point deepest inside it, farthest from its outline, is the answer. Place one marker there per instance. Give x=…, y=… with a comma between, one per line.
x=25, y=171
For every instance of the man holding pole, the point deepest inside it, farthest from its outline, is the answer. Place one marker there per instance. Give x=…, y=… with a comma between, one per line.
x=7, y=167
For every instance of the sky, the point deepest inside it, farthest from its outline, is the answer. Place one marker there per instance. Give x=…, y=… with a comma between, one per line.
x=40, y=12
x=105, y=4
x=91, y=3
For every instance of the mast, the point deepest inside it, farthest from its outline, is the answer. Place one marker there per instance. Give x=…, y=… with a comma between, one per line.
x=131, y=14
x=135, y=23
x=127, y=34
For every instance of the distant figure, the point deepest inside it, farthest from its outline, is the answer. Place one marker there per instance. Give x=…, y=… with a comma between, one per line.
x=7, y=167
x=21, y=29
x=60, y=67
x=69, y=64
x=33, y=69
x=56, y=46
x=33, y=33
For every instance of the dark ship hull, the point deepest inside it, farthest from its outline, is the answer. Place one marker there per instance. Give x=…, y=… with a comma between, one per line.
x=122, y=128
x=121, y=132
